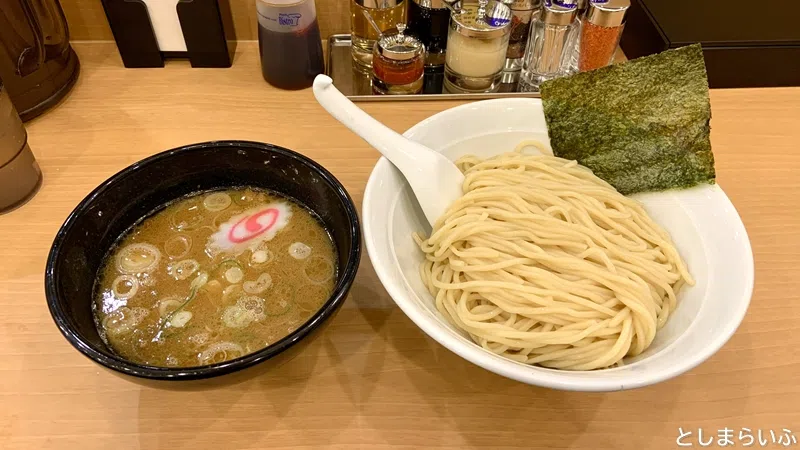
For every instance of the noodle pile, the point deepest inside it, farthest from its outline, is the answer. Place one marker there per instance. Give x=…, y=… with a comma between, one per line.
x=544, y=263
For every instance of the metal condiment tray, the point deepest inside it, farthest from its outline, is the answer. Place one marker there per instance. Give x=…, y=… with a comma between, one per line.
x=357, y=86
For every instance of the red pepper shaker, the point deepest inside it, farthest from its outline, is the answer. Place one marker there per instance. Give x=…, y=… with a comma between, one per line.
x=600, y=32
x=398, y=63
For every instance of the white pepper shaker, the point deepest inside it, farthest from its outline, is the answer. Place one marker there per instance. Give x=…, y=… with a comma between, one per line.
x=549, y=50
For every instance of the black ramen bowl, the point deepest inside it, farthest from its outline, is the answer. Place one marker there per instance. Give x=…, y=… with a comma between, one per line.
x=107, y=213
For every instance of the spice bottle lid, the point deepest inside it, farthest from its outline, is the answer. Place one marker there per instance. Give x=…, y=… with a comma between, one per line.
x=483, y=19
x=607, y=13
x=559, y=12
x=395, y=45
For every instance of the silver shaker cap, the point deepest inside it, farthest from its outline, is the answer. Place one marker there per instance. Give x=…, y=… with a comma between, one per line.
x=559, y=12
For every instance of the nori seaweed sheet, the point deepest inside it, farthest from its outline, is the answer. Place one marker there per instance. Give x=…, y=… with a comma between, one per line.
x=642, y=125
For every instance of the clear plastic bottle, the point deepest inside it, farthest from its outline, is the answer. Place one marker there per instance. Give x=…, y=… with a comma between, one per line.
x=290, y=43
x=548, y=50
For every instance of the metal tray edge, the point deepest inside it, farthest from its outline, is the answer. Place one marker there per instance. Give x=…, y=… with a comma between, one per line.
x=343, y=40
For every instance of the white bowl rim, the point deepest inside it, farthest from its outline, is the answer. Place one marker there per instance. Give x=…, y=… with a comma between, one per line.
x=564, y=380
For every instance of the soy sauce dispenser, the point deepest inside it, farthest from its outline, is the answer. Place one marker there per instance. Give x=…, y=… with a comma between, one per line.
x=19, y=172
x=290, y=43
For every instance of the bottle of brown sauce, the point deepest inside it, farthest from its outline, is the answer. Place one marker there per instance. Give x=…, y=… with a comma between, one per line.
x=290, y=43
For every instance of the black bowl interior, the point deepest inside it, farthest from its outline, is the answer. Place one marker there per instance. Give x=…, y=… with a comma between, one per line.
x=107, y=213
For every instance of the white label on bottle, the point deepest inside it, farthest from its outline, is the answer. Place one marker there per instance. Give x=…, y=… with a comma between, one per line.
x=286, y=18
x=166, y=25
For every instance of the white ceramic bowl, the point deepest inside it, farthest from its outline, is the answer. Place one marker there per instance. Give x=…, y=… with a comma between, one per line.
x=702, y=221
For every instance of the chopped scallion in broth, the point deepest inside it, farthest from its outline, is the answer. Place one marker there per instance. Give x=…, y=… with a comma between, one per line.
x=212, y=277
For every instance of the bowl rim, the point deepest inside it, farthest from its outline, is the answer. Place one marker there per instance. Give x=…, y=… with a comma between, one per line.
x=126, y=367
x=496, y=363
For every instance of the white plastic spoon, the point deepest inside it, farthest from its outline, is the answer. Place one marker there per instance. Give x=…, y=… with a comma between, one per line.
x=435, y=180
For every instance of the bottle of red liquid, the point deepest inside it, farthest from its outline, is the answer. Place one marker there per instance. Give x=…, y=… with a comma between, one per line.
x=290, y=43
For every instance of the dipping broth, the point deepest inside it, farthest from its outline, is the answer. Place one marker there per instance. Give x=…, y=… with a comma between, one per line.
x=212, y=277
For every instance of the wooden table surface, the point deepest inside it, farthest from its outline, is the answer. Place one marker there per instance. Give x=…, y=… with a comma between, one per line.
x=373, y=379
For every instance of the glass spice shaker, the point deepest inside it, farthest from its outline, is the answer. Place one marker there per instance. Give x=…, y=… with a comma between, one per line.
x=428, y=21
x=522, y=11
x=574, y=42
x=476, y=46
x=548, y=49
x=600, y=33
x=398, y=63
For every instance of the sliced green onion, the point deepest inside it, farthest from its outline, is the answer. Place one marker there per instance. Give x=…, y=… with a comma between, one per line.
x=245, y=198
x=236, y=317
x=187, y=216
x=138, y=258
x=217, y=201
x=178, y=246
x=318, y=270
x=132, y=285
x=299, y=250
x=234, y=275
x=182, y=270
x=123, y=320
x=180, y=319
x=263, y=282
x=168, y=305
x=200, y=280
x=226, y=264
x=261, y=257
x=169, y=317
x=247, y=310
x=219, y=352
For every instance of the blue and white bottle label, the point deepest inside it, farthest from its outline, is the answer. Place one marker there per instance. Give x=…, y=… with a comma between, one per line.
x=286, y=18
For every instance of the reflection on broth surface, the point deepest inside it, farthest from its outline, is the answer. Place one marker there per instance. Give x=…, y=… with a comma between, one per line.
x=212, y=277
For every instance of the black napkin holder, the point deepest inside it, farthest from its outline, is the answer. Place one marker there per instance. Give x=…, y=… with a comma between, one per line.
x=207, y=30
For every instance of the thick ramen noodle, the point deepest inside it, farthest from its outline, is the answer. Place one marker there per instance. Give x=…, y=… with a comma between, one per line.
x=544, y=263
x=212, y=277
